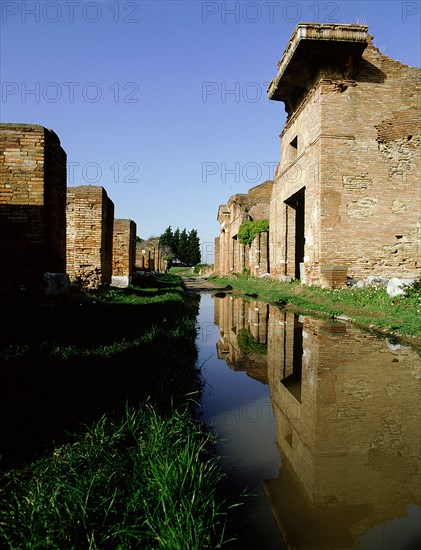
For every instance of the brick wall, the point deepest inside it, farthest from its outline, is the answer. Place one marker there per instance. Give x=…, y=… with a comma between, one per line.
x=217, y=257
x=350, y=167
x=32, y=205
x=224, y=237
x=90, y=220
x=234, y=256
x=124, y=248
x=148, y=256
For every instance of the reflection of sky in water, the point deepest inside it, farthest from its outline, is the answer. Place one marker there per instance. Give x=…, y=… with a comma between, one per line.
x=237, y=407
x=240, y=411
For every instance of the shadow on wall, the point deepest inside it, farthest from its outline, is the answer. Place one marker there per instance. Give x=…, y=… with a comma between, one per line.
x=26, y=252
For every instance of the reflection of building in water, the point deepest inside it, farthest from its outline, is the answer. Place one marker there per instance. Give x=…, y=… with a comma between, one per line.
x=243, y=335
x=348, y=416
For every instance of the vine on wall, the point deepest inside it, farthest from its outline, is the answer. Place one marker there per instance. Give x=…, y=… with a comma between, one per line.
x=250, y=229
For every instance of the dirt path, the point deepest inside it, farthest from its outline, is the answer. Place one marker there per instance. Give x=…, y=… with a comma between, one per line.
x=198, y=284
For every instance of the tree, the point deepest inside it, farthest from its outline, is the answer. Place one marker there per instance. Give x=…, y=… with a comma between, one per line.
x=250, y=229
x=166, y=239
x=166, y=242
x=193, y=256
x=183, y=249
x=176, y=244
x=181, y=245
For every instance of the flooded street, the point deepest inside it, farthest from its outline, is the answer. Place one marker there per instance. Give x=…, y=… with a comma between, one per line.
x=318, y=421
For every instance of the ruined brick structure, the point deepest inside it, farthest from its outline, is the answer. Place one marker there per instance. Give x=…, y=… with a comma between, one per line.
x=124, y=252
x=32, y=206
x=90, y=220
x=148, y=256
x=216, y=256
x=231, y=256
x=346, y=197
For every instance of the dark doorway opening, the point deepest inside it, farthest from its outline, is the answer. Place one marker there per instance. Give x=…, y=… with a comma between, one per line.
x=297, y=202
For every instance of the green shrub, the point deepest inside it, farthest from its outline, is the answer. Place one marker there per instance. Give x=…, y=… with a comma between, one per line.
x=413, y=290
x=250, y=229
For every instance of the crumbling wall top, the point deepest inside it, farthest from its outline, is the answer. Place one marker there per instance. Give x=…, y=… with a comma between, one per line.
x=259, y=193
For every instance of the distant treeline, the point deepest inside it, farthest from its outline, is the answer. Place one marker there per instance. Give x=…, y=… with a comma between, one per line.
x=181, y=246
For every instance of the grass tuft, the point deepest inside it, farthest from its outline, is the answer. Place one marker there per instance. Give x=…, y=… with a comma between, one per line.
x=144, y=481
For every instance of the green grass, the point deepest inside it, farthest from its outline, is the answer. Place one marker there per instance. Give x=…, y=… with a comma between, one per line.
x=369, y=306
x=85, y=464
x=181, y=270
x=149, y=290
x=65, y=364
x=144, y=481
x=92, y=323
x=170, y=334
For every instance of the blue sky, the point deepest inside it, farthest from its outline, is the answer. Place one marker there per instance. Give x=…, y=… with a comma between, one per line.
x=164, y=103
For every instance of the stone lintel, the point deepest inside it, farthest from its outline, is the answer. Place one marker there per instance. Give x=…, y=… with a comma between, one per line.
x=312, y=45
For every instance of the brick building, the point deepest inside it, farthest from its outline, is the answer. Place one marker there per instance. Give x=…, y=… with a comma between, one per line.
x=346, y=196
x=32, y=206
x=124, y=252
x=90, y=220
x=231, y=256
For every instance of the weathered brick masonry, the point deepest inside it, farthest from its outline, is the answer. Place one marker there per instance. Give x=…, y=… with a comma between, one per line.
x=347, y=193
x=232, y=256
x=90, y=220
x=124, y=249
x=148, y=256
x=32, y=206
x=217, y=256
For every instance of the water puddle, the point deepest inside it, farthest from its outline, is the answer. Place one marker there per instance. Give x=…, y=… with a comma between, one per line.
x=318, y=420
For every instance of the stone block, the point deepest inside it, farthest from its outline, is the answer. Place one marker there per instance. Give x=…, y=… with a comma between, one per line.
x=120, y=281
x=396, y=287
